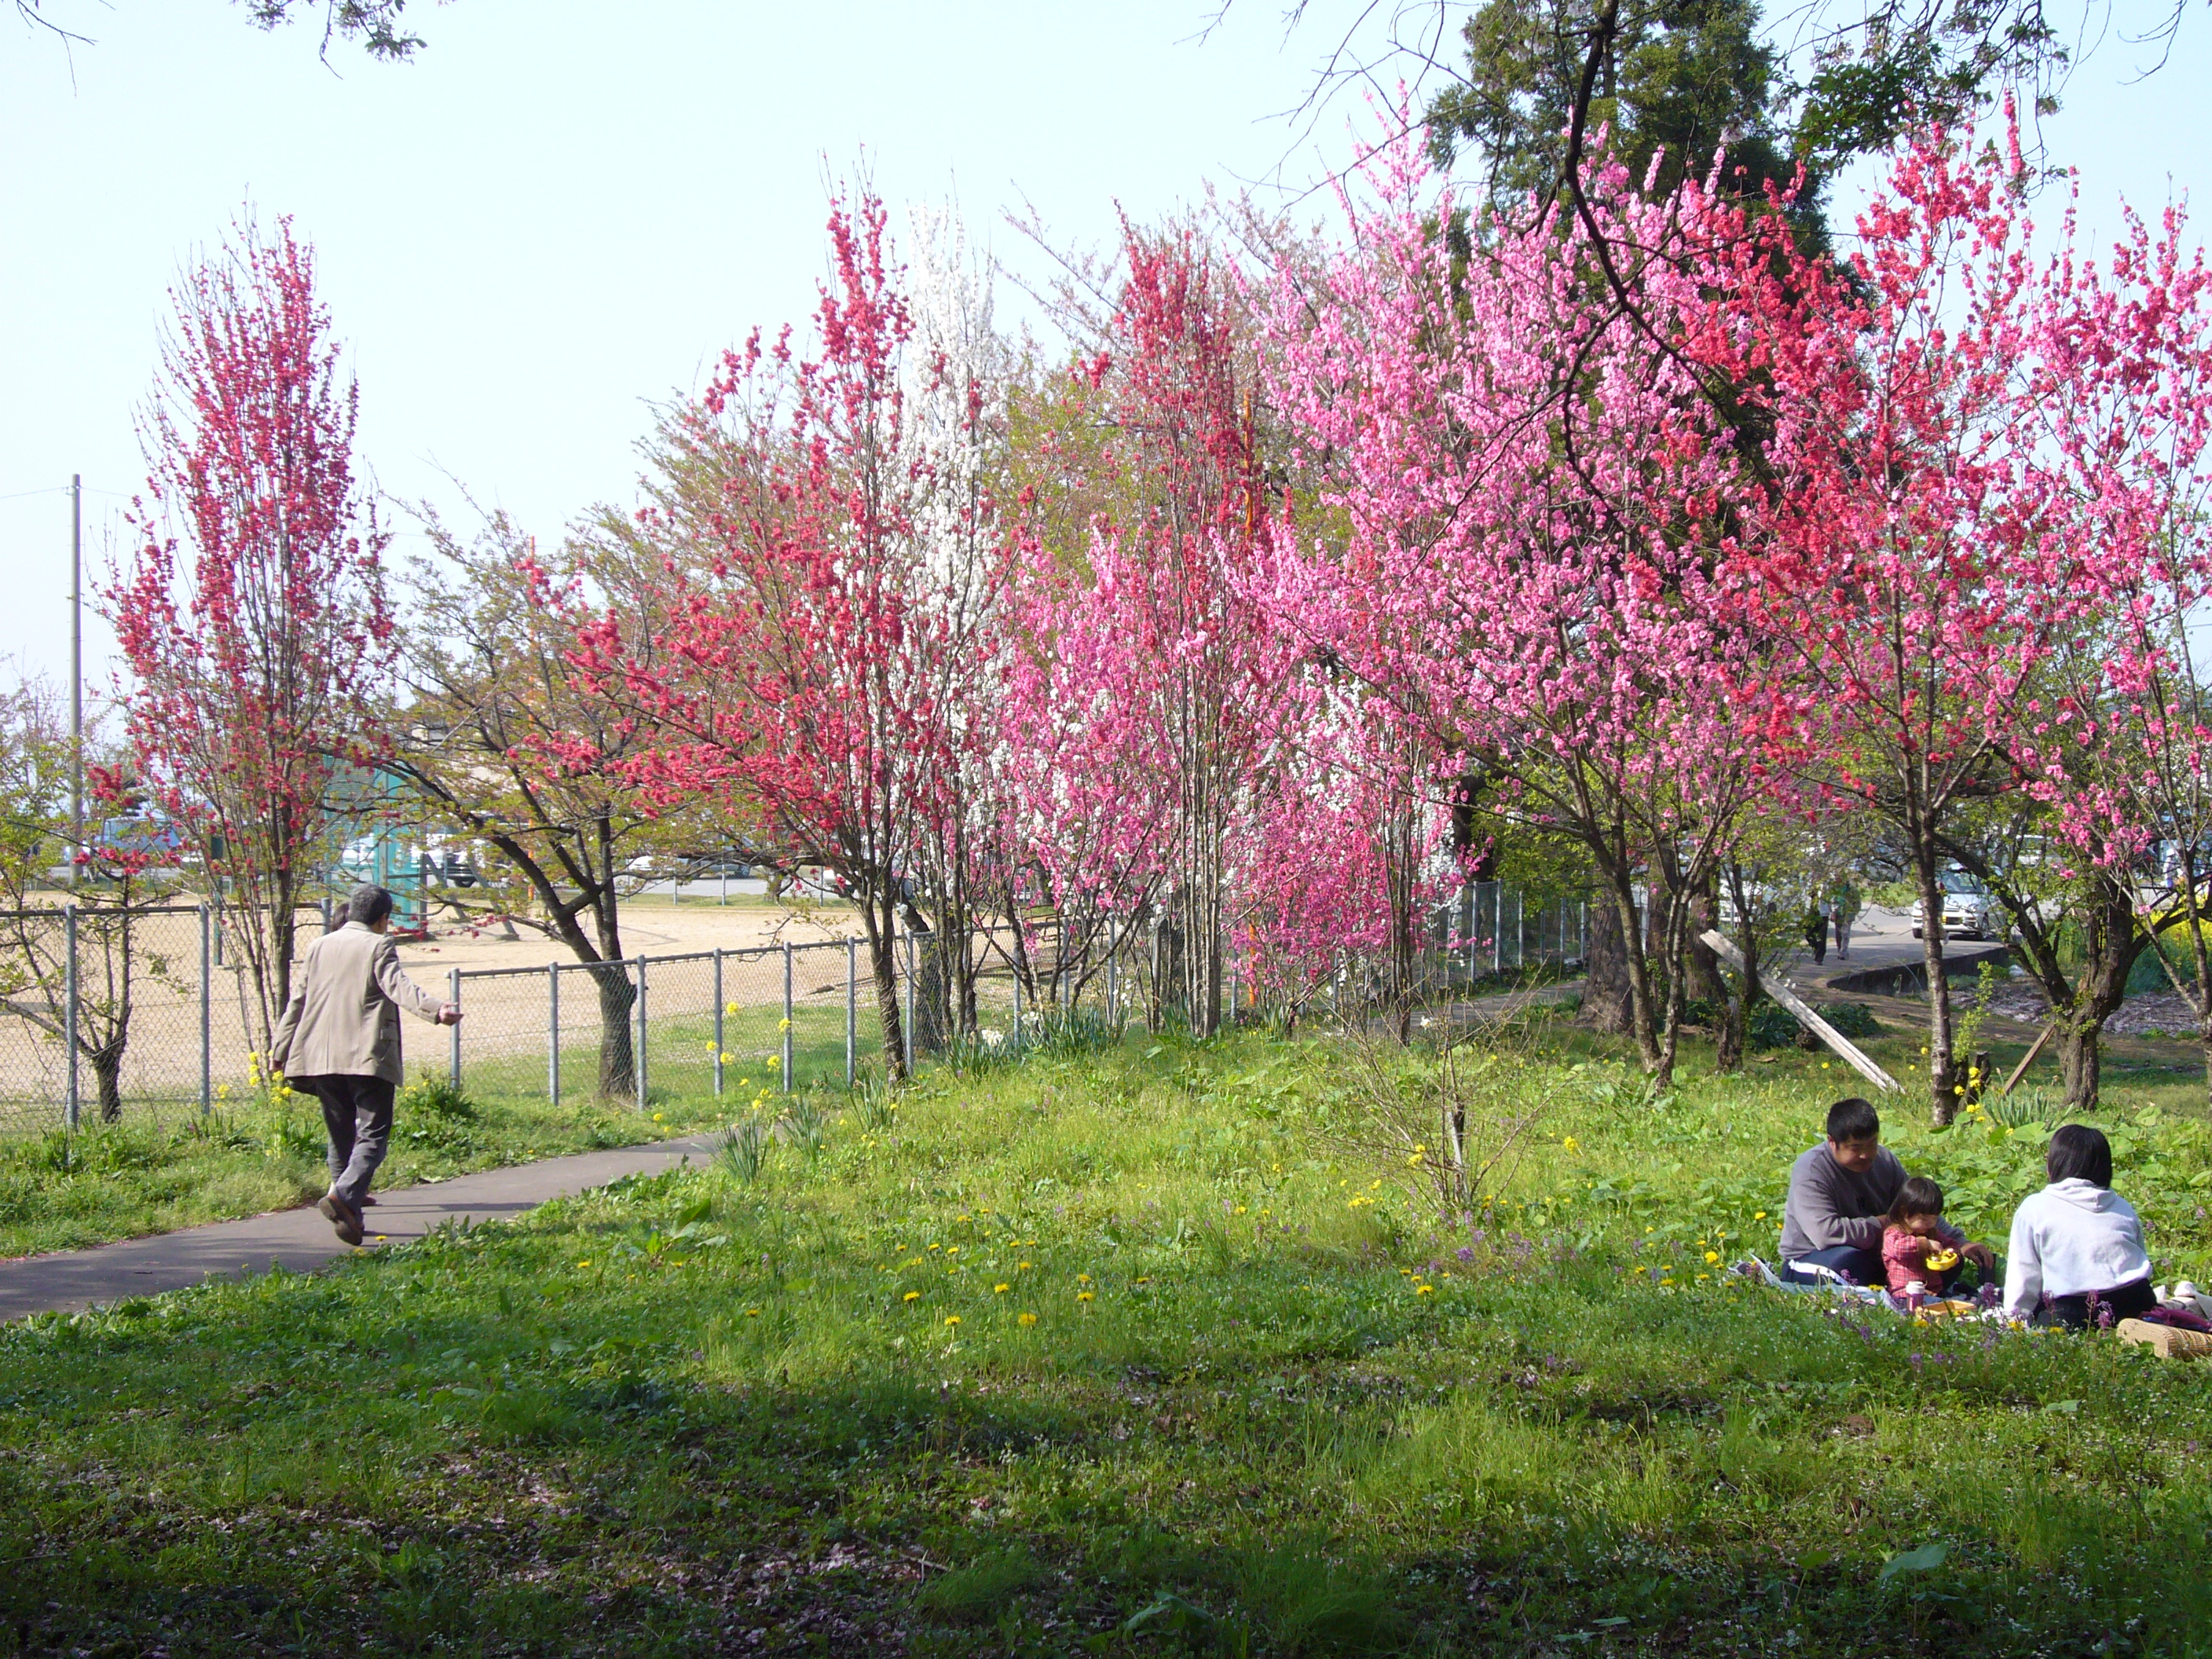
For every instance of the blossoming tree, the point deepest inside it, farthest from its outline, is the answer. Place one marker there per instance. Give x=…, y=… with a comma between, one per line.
x=251, y=613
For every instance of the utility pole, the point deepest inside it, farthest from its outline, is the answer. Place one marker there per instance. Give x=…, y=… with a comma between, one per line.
x=76, y=671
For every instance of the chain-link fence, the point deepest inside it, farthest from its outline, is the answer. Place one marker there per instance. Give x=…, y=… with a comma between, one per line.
x=105, y=1012
x=105, y=1009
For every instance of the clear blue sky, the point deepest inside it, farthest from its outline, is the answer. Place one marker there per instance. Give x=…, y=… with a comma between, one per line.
x=566, y=207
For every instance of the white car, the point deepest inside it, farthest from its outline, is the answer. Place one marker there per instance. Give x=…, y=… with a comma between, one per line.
x=1970, y=911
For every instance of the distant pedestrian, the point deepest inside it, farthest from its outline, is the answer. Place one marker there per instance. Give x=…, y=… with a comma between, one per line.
x=338, y=1040
x=1842, y=911
x=1816, y=930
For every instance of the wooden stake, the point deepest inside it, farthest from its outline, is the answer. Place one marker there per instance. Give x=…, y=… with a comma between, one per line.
x=2026, y=1060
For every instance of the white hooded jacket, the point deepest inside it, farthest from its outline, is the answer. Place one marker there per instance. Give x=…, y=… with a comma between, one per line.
x=2072, y=1236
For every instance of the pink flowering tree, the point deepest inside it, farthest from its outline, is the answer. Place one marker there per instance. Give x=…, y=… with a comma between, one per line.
x=251, y=612
x=1916, y=562
x=1156, y=637
x=2116, y=738
x=1527, y=491
x=1086, y=782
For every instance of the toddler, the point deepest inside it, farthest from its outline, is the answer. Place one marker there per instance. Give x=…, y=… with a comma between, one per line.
x=1915, y=1243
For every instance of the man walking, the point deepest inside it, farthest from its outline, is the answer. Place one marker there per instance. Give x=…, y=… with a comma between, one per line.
x=338, y=1040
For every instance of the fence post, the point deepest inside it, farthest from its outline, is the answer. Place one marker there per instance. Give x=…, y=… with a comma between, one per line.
x=851, y=1006
x=207, y=1016
x=1230, y=956
x=68, y=1007
x=787, y=1016
x=553, y=1033
x=637, y=1059
x=718, y=1000
x=907, y=1024
x=453, y=1061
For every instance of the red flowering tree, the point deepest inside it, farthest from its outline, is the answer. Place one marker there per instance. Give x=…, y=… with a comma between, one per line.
x=1919, y=560
x=251, y=612
x=819, y=665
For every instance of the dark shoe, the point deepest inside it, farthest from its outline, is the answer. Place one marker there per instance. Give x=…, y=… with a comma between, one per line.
x=368, y=1199
x=344, y=1219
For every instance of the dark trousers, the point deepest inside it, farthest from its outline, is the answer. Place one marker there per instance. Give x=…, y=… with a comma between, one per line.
x=1857, y=1265
x=357, y=1112
x=2126, y=1302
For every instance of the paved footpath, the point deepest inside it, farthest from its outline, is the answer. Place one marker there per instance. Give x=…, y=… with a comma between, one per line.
x=301, y=1241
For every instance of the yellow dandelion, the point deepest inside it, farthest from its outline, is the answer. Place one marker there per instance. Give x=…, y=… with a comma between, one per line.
x=783, y=1025
x=1760, y=1215
x=952, y=1319
x=1018, y=1265
x=732, y=1008
x=1083, y=1278
x=912, y=1295
x=1084, y=1296
x=1424, y=1290
x=586, y=1262
x=1572, y=1144
x=1000, y=1290
x=1026, y=1319
x=752, y=1313
x=1712, y=1256
x=1239, y=1209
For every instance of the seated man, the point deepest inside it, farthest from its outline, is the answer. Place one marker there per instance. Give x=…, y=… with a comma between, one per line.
x=1839, y=1193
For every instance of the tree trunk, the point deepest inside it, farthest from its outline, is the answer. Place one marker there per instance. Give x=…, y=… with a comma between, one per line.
x=1172, y=988
x=931, y=987
x=1706, y=981
x=1944, y=1105
x=1606, y=1003
x=1641, y=1011
x=108, y=1075
x=879, y=916
x=617, y=1043
x=2080, y=1059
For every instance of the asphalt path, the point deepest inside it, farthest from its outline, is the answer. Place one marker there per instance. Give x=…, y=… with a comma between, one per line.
x=301, y=1241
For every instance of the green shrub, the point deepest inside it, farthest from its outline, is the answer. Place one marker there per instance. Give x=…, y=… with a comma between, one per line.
x=430, y=1097
x=1853, y=1019
x=1770, y=1025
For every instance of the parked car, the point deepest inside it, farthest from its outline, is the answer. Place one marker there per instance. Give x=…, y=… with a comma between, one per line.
x=1970, y=910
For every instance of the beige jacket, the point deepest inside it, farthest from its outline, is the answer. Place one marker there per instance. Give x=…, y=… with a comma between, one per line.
x=343, y=1017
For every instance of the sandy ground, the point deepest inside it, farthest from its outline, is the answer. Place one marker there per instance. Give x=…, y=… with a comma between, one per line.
x=649, y=928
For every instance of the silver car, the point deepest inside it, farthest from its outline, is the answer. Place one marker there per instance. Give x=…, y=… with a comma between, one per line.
x=1970, y=911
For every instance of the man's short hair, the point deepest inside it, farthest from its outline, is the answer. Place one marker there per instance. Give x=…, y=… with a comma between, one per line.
x=369, y=904
x=1853, y=1119
x=2077, y=1151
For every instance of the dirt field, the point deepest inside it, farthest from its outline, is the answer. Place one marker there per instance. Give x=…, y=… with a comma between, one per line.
x=649, y=928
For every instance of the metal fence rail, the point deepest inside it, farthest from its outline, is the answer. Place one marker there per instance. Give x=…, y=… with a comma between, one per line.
x=772, y=1018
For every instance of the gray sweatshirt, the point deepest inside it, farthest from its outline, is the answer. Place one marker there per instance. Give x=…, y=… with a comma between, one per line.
x=1829, y=1205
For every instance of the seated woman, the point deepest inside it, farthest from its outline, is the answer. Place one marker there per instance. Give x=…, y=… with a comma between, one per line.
x=2077, y=1252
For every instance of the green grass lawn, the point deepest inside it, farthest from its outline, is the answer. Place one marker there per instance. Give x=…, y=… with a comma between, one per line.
x=1163, y=1351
